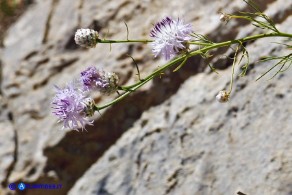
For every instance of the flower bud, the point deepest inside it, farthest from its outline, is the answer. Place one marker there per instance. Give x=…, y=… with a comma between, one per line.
x=86, y=38
x=223, y=96
x=224, y=17
x=105, y=82
x=109, y=83
x=89, y=107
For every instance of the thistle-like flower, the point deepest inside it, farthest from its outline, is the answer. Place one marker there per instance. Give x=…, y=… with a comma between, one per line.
x=170, y=37
x=70, y=107
x=86, y=38
x=89, y=77
x=105, y=82
x=223, y=96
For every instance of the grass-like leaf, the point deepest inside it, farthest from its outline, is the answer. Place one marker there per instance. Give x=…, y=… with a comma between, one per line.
x=202, y=38
x=284, y=60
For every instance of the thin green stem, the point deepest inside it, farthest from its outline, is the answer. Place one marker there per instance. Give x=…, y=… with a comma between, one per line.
x=242, y=40
x=124, y=94
x=131, y=88
x=233, y=67
x=123, y=41
x=141, y=83
x=199, y=43
x=240, y=17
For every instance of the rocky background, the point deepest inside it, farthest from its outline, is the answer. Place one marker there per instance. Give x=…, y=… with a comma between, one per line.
x=171, y=136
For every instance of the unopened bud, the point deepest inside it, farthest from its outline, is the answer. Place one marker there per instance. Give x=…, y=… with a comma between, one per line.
x=89, y=107
x=110, y=83
x=223, y=96
x=86, y=38
x=224, y=17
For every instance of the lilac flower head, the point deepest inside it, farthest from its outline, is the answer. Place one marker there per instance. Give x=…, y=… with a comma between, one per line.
x=105, y=82
x=89, y=78
x=170, y=37
x=70, y=106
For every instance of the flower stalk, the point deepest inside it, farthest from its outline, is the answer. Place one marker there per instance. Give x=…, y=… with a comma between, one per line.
x=170, y=38
x=124, y=41
x=131, y=88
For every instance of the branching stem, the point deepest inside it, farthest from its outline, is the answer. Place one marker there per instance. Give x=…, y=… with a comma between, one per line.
x=208, y=47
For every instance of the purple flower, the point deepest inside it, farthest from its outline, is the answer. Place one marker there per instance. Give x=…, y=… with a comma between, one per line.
x=89, y=77
x=170, y=37
x=105, y=82
x=70, y=106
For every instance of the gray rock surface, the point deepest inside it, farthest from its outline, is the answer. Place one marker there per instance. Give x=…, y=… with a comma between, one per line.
x=193, y=145
x=175, y=138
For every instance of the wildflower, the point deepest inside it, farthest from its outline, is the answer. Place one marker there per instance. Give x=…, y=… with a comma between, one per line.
x=86, y=38
x=223, y=96
x=224, y=17
x=170, y=37
x=89, y=78
x=70, y=106
x=105, y=82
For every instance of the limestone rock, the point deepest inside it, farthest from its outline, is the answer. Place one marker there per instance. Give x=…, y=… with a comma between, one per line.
x=191, y=144
x=176, y=139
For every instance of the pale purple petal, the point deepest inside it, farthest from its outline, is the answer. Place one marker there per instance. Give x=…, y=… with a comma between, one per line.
x=170, y=37
x=105, y=82
x=69, y=105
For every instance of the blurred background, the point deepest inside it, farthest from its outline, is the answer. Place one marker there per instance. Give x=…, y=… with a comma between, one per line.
x=10, y=11
x=169, y=137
